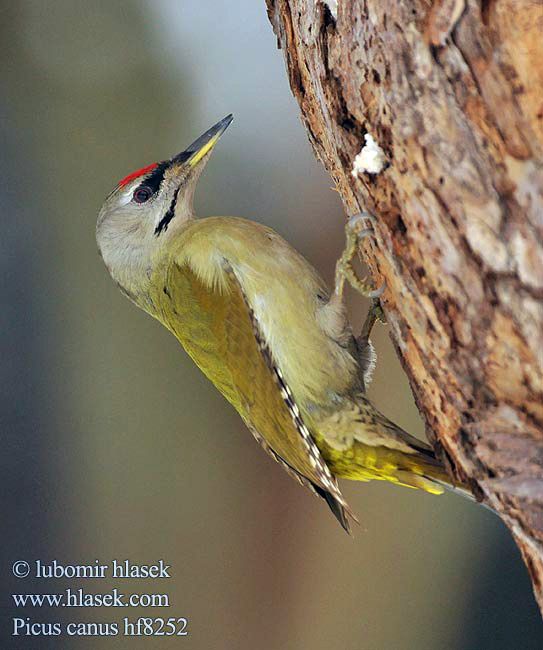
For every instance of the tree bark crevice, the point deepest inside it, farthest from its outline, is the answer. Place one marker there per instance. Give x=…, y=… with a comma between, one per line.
x=452, y=93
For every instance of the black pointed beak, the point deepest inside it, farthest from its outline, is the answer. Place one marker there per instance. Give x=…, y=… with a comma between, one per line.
x=204, y=144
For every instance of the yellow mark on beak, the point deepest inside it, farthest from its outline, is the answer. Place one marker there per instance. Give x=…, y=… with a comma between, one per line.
x=204, y=144
x=198, y=155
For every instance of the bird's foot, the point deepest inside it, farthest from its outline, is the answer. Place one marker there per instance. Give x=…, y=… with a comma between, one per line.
x=356, y=230
x=375, y=313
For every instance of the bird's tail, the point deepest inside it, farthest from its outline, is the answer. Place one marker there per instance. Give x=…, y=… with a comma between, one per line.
x=390, y=453
x=421, y=468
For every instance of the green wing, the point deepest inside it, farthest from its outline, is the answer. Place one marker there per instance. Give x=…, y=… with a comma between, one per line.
x=217, y=329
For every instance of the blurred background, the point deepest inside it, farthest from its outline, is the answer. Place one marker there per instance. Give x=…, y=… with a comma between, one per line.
x=115, y=446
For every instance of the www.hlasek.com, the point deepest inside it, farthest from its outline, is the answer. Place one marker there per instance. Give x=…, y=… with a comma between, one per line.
x=79, y=597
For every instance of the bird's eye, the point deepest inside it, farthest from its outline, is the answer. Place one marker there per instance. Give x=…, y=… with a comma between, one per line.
x=142, y=194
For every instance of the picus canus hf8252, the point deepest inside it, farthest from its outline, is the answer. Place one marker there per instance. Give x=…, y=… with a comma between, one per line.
x=258, y=320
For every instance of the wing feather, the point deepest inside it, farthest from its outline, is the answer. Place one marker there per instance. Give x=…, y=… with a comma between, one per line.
x=219, y=331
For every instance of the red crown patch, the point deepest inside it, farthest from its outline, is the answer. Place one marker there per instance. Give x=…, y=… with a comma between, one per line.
x=137, y=174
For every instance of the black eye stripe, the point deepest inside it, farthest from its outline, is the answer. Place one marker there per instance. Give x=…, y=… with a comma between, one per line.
x=155, y=178
x=170, y=214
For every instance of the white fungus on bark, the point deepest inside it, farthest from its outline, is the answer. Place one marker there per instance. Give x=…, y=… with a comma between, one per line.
x=371, y=158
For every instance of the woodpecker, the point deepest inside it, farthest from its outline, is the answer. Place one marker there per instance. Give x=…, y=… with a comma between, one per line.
x=262, y=325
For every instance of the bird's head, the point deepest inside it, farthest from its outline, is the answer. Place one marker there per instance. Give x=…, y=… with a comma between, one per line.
x=147, y=207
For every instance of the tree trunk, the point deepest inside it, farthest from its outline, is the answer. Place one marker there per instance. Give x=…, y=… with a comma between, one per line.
x=452, y=92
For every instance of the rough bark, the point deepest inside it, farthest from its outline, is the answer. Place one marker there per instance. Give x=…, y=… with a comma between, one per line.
x=453, y=93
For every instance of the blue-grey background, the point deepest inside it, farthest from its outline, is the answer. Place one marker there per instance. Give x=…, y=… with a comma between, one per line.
x=114, y=445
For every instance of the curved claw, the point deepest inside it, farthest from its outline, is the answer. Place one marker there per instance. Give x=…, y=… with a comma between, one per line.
x=357, y=221
x=375, y=313
x=377, y=293
x=367, y=232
